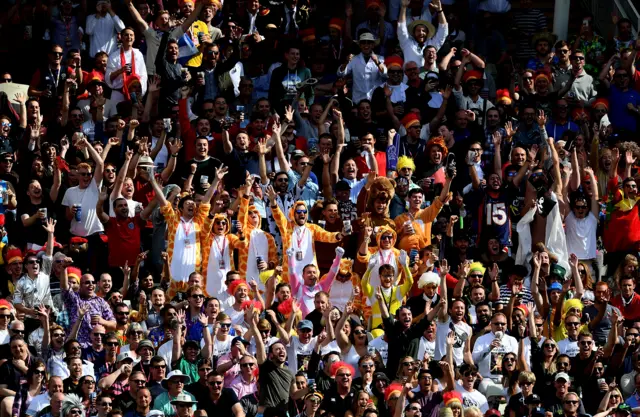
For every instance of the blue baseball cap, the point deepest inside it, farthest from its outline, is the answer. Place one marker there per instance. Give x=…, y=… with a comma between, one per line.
x=556, y=286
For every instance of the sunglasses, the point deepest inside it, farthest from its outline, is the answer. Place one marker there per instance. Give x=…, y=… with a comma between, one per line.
x=39, y=372
x=89, y=382
x=500, y=323
x=359, y=332
x=161, y=367
x=314, y=400
x=301, y=211
x=586, y=343
x=214, y=383
x=248, y=365
x=139, y=382
x=18, y=332
x=198, y=296
x=84, y=174
x=7, y=80
x=75, y=412
x=549, y=346
x=527, y=383
x=578, y=58
x=57, y=54
x=571, y=402
x=112, y=344
x=282, y=179
x=225, y=325
x=386, y=237
x=103, y=404
x=475, y=276
x=344, y=375
x=598, y=368
x=5, y=316
x=572, y=324
x=508, y=360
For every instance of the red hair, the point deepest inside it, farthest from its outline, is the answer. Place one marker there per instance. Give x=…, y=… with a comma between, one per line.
x=235, y=284
x=336, y=366
x=395, y=387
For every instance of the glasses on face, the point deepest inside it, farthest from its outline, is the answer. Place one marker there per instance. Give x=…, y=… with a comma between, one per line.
x=5, y=316
x=562, y=364
x=614, y=396
x=225, y=325
x=359, y=332
x=89, y=282
x=475, y=276
x=105, y=404
x=407, y=364
x=32, y=262
x=215, y=383
x=7, y=80
x=571, y=402
x=548, y=346
x=84, y=174
x=527, y=78
x=136, y=333
x=110, y=171
x=470, y=374
x=509, y=359
x=112, y=344
x=598, y=368
x=301, y=211
x=139, y=382
x=100, y=335
x=344, y=375
x=75, y=412
x=198, y=296
x=121, y=313
x=39, y=372
x=57, y=54
x=282, y=179
x=578, y=58
x=18, y=332
x=586, y=342
x=248, y=365
x=161, y=367
x=89, y=382
x=386, y=237
x=368, y=365
x=563, y=51
x=572, y=324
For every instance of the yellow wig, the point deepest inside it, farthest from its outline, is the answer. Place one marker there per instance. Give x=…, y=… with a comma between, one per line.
x=405, y=162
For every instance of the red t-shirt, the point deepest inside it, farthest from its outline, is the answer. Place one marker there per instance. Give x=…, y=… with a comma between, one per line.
x=363, y=168
x=124, y=239
x=632, y=311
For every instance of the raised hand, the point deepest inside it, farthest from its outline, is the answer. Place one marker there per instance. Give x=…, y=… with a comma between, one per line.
x=181, y=316
x=175, y=147
x=542, y=118
x=573, y=260
x=50, y=226
x=221, y=171
x=629, y=158
x=444, y=267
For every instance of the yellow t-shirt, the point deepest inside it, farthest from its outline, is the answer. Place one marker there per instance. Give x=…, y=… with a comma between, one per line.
x=197, y=27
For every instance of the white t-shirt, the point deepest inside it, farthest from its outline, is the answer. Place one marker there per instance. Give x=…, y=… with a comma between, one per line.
x=381, y=346
x=298, y=353
x=462, y=332
x=87, y=198
x=427, y=347
x=581, y=235
x=490, y=361
x=4, y=337
x=38, y=403
x=568, y=347
x=472, y=399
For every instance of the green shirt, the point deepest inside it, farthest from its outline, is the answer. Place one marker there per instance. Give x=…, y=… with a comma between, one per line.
x=163, y=403
x=188, y=368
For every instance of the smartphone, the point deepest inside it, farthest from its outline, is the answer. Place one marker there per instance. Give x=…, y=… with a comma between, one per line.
x=412, y=257
x=167, y=124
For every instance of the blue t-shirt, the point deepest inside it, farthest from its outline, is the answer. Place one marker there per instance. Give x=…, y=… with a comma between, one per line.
x=619, y=115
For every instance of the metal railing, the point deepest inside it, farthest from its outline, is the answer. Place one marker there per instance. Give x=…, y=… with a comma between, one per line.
x=602, y=10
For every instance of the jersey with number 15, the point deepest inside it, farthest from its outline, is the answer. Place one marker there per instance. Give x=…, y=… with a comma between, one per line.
x=494, y=214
